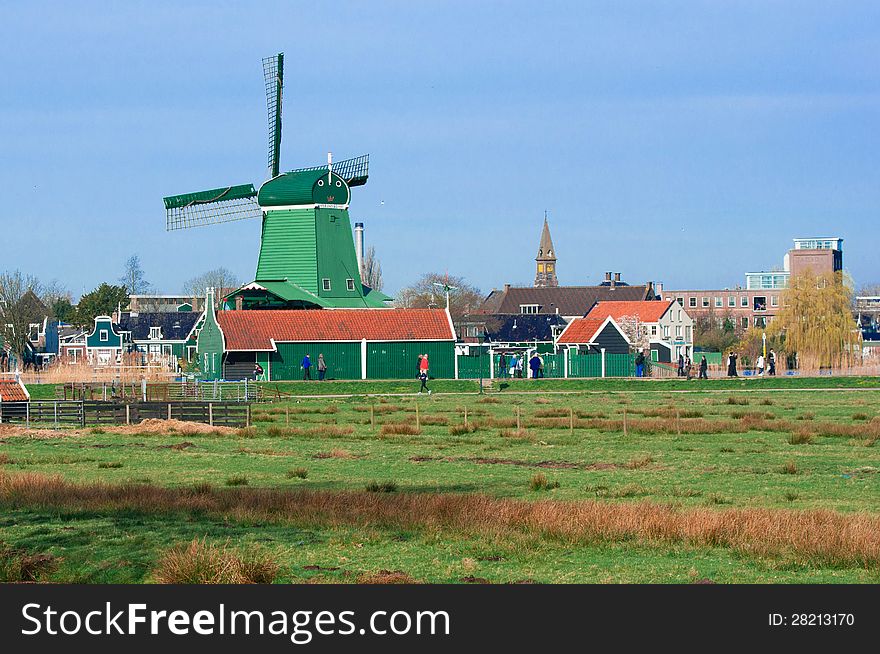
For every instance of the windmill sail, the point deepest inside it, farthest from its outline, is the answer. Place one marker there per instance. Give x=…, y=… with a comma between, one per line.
x=219, y=205
x=354, y=171
x=273, y=72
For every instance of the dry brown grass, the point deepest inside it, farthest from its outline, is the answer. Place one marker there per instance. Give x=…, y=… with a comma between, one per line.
x=434, y=420
x=335, y=453
x=19, y=565
x=380, y=408
x=807, y=536
x=399, y=429
x=385, y=577
x=458, y=430
x=321, y=431
x=639, y=462
x=4, y=459
x=201, y=562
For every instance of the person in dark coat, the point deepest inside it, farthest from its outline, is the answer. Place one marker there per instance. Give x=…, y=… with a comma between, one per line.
x=423, y=378
x=307, y=368
x=640, y=364
x=322, y=367
x=502, y=364
x=731, y=365
x=681, y=365
x=771, y=363
x=534, y=365
x=704, y=368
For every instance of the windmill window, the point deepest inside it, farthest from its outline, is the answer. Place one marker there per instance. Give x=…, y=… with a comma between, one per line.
x=350, y=284
x=338, y=183
x=325, y=284
x=320, y=182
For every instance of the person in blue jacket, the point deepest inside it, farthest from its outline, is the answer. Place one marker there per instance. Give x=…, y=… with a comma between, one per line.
x=307, y=368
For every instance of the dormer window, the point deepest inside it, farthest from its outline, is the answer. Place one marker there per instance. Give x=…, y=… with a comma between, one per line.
x=155, y=333
x=325, y=284
x=349, y=284
x=529, y=308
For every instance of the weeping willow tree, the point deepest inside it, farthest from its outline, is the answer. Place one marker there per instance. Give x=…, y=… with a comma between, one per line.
x=816, y=321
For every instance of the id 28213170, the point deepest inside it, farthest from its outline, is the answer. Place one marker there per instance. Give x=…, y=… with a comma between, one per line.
x=811, y=620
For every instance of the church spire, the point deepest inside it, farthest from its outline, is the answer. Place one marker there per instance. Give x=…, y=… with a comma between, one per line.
x=545, y=273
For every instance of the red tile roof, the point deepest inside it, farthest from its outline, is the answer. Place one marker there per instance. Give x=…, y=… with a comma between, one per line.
x=646, y=311
x=254, y=330
x=581, y=330
x=12, y=391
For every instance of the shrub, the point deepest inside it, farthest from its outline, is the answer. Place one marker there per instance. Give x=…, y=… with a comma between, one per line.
x=800, y=438
x=789, y=468
x=639, y=462
x=539, y=482
x=389, y=486
x=237, y=480
x=400, y=429
x=200, y=562
x=298, y=473
x=17, y=565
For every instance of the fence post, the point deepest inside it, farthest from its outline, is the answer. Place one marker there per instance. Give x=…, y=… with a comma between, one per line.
x=82, y=414
x=247, y=422
x=565, y=355
x=210, y=414
x=27, y=414
x=455, y=361
x=364, y=358
x=491, y=364
x=169, y=410
x=56, y=414
x=128, y=414
x=603, y=361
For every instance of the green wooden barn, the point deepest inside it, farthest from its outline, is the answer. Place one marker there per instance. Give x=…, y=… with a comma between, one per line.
x=355, y=343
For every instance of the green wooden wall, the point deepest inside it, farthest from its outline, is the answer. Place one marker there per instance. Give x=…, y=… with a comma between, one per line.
x=400, y=360
x=343, y=360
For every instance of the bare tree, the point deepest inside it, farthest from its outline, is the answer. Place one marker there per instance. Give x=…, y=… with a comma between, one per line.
x=371, y=274
x=219, y=278
x=133, y=277
x=19, y=307
x=429, y=291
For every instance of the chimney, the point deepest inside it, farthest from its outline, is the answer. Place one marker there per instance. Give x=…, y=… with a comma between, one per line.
x=359, y=246
x=238, y=303
x=506, y=287
x=617, y=277
x=608, y=277
x=659, y=289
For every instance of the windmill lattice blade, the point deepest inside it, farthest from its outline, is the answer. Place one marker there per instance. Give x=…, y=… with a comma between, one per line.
x=219, y=205
x=273, y=73
x=354, y=171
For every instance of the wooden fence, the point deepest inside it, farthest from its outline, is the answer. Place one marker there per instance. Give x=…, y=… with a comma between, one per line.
x=160, y=391
x=76, y=413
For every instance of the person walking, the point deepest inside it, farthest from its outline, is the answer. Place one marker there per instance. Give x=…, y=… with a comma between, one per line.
x=322, y=367
x=771, y=363
x=502, y=364
x=687, y=367
x=534, y=365
x=307, y=368
x=258, y=371
x=704, y=368
x=423, y=373
x=680, y=364
x=512, y=366
x=731, y=365
x=540, y=367
x=759, y=365
x=519, y=366
x=640, y=364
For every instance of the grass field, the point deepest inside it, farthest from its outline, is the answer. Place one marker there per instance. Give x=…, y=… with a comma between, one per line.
x=623, y=481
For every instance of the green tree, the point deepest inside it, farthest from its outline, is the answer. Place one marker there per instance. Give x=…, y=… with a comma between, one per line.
x=102, y=301
x=19, y=307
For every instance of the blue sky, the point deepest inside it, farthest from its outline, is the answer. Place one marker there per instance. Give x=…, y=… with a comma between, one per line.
x=682, y=142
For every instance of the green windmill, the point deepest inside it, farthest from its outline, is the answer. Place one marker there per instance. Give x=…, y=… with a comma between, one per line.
x=307, y=252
